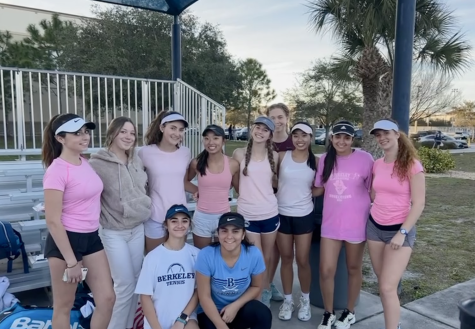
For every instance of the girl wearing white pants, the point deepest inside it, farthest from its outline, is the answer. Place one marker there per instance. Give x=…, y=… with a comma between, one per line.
x=124, y=208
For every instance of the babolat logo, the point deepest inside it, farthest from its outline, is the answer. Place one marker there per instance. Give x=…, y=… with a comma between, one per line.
x=28, y=323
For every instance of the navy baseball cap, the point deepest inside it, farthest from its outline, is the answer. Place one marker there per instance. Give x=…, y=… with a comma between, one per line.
x=266, y=121
x=343, y=127
x=177, y=209
x=231, y=218
x=217, y=130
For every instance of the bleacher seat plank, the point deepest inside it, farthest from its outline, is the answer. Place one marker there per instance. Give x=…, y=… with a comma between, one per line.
x=37, y=278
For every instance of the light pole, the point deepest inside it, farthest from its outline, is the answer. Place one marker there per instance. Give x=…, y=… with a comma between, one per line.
x=405, y=24
x=170, y=7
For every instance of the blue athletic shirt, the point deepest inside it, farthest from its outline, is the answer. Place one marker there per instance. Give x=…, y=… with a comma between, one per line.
x=229, y=283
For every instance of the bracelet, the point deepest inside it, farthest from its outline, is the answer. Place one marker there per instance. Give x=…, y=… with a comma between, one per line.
x=72, y=266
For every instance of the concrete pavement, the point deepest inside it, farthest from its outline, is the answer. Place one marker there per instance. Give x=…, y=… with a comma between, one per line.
x=437, y=311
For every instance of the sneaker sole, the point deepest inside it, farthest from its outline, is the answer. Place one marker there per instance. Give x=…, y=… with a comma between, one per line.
x=285, y=319
x=304, y=320
x=347, y=326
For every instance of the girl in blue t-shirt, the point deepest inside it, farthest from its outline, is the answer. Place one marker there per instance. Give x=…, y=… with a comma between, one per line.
x=229, y=275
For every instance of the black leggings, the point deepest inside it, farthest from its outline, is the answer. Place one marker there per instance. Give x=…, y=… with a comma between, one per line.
x=253, y=315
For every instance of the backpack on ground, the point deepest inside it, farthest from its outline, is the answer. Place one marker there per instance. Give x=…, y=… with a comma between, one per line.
x=25, y=316
x=11, y=246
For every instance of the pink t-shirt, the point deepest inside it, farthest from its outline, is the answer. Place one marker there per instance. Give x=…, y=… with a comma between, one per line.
x=166, y=172
x=346, y=201
x=392, y=202
x=81, y=188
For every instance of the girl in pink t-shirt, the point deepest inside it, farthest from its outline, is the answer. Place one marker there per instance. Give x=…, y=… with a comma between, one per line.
x=72, y=207
x=216, y=173
x=166, y=163
x=345, y=175
x=398, y=195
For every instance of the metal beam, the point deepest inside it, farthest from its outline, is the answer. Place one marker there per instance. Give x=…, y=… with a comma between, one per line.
x=176, y=48
x=405, y=24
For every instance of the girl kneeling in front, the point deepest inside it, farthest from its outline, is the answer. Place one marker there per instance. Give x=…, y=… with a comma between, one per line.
x=167, y=281
x=229, y=274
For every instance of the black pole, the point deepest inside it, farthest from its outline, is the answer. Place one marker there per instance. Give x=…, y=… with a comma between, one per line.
x=176, y=48
x=405, y=23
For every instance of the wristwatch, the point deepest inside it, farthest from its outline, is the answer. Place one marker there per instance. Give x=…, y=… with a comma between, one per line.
x=183, y=318
x=403, y=231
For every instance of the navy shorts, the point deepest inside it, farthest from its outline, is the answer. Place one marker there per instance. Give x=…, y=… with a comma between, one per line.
x=265, y=226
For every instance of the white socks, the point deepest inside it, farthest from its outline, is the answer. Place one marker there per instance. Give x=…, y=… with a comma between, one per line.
x=304, y=296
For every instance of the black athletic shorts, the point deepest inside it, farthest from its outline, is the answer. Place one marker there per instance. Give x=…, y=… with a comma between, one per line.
x=297, y=225
x=83, y=244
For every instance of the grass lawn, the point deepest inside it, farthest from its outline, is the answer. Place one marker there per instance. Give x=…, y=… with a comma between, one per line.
x=464, y=161
x=443, y=254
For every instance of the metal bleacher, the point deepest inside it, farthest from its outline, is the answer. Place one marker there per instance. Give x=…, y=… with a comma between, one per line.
x=25, y=108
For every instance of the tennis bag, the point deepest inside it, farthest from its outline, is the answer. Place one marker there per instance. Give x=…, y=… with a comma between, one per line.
x=32, y=317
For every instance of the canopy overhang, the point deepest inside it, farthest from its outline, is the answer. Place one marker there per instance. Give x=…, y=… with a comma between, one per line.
x=170, y=7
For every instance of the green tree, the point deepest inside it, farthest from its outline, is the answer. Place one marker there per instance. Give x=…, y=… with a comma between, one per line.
x=136, y=43
x=255, y=88
x=465, y=114
x=325, y=96
x=365, y=29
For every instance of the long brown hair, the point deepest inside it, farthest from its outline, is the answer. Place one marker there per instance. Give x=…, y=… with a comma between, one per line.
x=51, y=148
x=154, y=134
x=406, y=155
x=114, y=129
x=270, y=154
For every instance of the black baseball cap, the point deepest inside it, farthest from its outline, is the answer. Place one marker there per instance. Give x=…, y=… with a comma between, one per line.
x=217, y=130
x=343, y=127
x=231, y=218
x=70, y=123
x=177, y=209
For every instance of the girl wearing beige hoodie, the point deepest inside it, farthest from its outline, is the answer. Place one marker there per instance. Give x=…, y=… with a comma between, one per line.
x=124, y=208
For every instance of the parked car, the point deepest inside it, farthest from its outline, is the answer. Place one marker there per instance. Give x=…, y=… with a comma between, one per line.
x=461, y=144
x=320, y=139
x=242, y=134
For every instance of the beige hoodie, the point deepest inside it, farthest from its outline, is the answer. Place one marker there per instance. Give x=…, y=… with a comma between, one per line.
x=124, y=201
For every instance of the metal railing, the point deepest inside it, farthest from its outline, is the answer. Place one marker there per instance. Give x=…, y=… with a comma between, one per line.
x=30, y=98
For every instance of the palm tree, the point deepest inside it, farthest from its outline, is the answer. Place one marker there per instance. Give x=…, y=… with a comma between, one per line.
x=366, y=31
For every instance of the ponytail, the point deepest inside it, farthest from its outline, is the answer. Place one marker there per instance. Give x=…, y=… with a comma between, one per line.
x=329, y=164
x=248, y=156
x=51, y=148
x=311, y=159
x=406, y=155
x=270, y=155
x=202, y=162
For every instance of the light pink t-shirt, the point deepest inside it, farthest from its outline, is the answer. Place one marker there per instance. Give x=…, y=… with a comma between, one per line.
x=346, y=201
x=166, y=172
x=392, y=202
x=81, y=188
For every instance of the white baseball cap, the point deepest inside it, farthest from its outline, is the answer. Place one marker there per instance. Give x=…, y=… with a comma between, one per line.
x=384, y=125
x=70, y=123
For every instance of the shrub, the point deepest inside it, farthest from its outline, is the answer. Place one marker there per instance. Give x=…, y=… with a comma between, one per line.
x=436, y=161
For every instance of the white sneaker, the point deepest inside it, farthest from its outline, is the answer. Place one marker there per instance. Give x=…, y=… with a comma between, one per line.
x=328, y=320
x=346, y=320
x=305, y=312
x=286, y=310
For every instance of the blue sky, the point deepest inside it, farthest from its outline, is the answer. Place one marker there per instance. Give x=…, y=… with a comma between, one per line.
x=276, y=33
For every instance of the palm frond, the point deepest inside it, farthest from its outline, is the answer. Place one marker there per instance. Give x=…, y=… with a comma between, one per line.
x=449, y=55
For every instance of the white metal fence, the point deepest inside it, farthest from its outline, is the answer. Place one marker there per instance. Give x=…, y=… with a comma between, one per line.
x=29, y=98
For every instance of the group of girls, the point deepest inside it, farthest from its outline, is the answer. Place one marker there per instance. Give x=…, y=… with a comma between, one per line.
x=101, y=213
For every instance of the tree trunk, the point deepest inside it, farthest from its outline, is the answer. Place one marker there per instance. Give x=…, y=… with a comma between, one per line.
x=371, y=66
x=386, y=94
x=370, y=115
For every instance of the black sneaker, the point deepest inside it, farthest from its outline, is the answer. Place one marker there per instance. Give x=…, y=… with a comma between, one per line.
x=328, y=320
x=346, y=320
